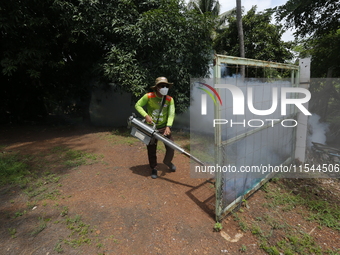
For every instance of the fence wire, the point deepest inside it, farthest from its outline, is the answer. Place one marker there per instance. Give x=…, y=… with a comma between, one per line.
x=245, y=147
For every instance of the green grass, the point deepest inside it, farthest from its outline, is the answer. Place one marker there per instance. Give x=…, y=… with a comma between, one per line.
x=243, y=248
x=79, y=231
x=293, y=242
x=276, y=234
x=41, y=226
x=38, y=177
x=120, y=136
x=283, y=198
x=73, y=158
x=242, y=223
x=19, y=214
x=35, y=171
x=201, y=146
x=12, y=232
x=324, y=213
x=13, y=169
x=58, y=247
x=320, y=211
x=299, y=243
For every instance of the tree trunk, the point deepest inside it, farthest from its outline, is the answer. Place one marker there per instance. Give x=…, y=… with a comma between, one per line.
x=240, y=32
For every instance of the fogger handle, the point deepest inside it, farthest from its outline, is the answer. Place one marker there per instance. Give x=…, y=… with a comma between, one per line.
x=153, y=124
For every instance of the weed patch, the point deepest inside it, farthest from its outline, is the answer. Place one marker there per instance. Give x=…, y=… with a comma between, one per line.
x=12, y=232
x=120, y=136
x=13, y=169
x=80, y=233
x=41, y=226
x=35, y=174
x=320, y=210
x=276, y=235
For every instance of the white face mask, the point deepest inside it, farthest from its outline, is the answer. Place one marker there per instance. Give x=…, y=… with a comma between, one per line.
x=163, y=91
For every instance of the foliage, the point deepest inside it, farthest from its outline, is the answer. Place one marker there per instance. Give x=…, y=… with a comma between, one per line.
x=325, y=64
x=310, y=17
x=205, y=6
x=211, y=10
x=45, y=60
x=261, y=38
x=325, y=99
x=317, y=23
x=53, y=52
x=218, y=227
x=166, y=41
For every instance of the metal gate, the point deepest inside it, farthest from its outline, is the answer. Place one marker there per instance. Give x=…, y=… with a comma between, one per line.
x=249, y=146
x=243, y=147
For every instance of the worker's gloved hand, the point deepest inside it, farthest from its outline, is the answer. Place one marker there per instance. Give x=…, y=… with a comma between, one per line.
x=148, y=119
x=167, y=131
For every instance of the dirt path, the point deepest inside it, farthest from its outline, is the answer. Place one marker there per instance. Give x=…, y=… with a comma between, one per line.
x=115, y=205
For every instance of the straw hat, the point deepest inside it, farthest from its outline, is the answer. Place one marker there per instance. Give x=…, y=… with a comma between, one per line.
x=160, y=80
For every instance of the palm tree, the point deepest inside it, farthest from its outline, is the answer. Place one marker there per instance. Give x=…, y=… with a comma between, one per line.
x=205, y=6
x=210, y=7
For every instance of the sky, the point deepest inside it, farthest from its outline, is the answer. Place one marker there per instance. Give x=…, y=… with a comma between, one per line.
x=227, y=5
x=261, y=4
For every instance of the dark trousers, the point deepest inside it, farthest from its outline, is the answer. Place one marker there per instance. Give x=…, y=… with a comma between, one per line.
x=152, y=152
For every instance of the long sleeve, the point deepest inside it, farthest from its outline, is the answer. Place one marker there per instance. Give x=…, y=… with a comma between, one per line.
x=140, y=104
x=171, y=113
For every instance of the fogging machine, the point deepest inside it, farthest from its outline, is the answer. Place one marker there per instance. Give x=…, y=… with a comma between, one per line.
x=147, y=134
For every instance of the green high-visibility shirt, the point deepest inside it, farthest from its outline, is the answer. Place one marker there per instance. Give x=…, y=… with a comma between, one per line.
x=153, y=104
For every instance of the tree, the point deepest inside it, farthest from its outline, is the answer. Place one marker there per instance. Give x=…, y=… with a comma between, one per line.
x=54, y=51
x=45, y=60
x=205, y=6
x=262, y=39
x=325, y=64
x=210, y=9
x=310, y=17
x=170, y=41
x=317, y=22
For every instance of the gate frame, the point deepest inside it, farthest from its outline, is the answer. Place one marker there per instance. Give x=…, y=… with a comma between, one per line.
x=302, y=69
